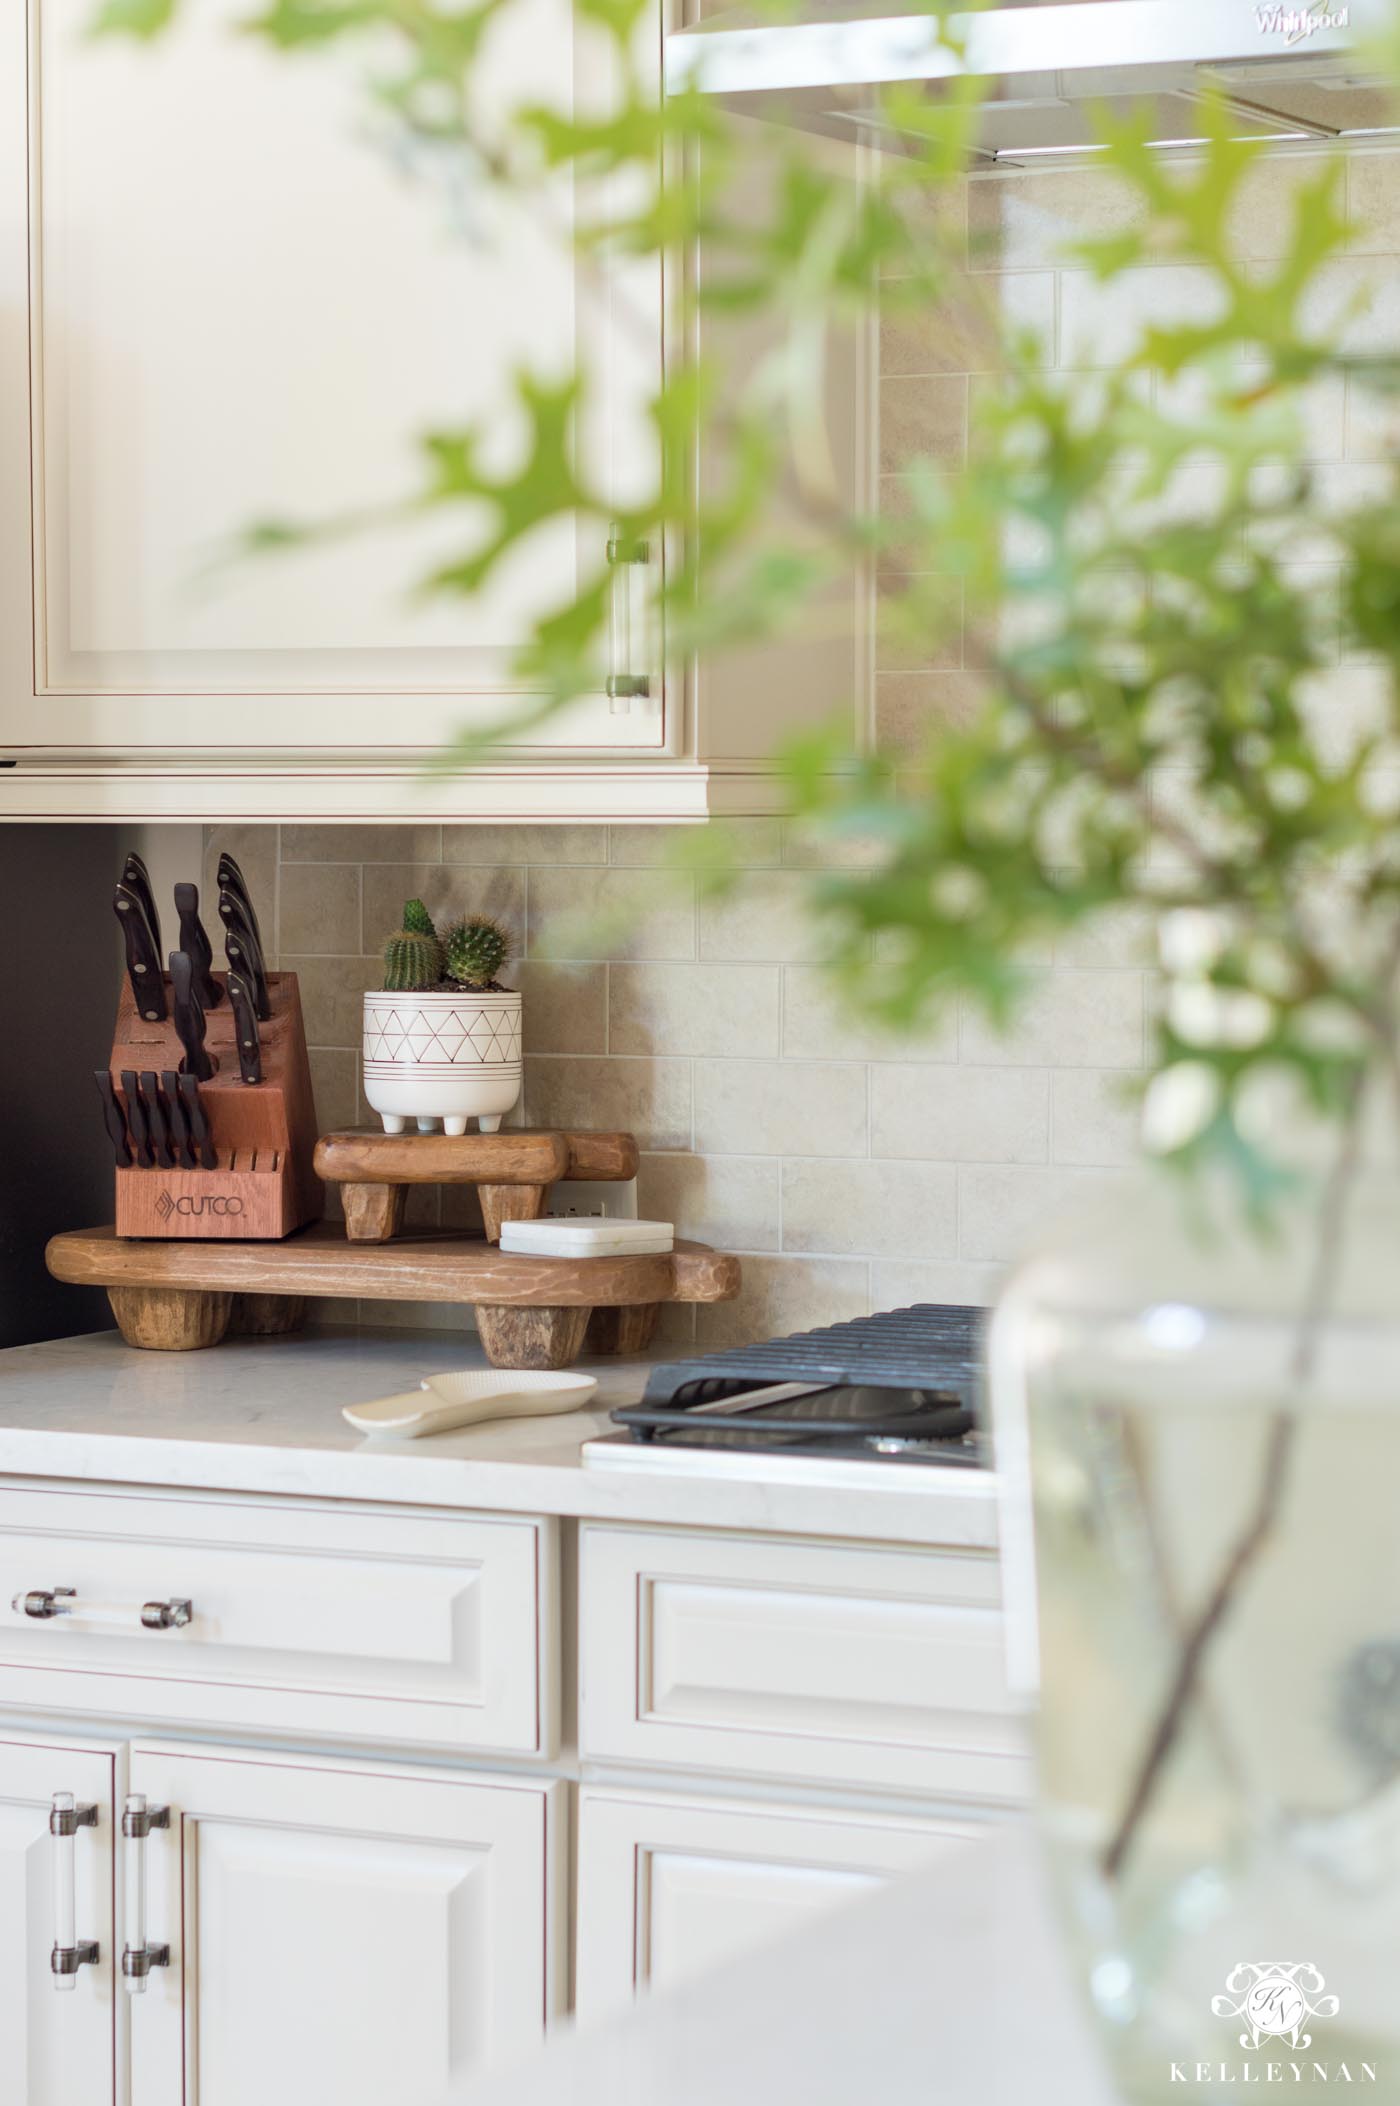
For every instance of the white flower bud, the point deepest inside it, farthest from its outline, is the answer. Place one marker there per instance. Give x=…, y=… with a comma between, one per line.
x=1179, y=1105
x=1190, y=939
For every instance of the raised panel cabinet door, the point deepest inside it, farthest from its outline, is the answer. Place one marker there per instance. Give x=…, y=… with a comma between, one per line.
x=58, y=2046
x=339, y=1931
x=232, y=295
x=668, y=1888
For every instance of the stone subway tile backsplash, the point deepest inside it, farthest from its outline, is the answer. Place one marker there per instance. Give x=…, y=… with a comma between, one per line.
x=851, y=1169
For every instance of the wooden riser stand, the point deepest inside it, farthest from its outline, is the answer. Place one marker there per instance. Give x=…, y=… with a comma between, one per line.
x=512, y=1171
x=530, y=1312
x=264, y=1134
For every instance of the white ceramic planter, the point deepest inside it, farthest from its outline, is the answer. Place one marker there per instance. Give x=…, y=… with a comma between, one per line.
x=442, y=1056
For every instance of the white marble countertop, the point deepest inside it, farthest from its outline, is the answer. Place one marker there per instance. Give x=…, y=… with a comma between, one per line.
x=950, y=1986
x=263, y=1415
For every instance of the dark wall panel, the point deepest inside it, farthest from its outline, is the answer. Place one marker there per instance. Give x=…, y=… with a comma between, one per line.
x=59, y=973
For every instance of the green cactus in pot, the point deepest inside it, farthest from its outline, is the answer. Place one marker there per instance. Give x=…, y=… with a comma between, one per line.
x=413, y=958
x=476, y=950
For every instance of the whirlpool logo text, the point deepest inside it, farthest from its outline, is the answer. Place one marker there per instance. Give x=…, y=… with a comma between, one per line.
x=1296, y=24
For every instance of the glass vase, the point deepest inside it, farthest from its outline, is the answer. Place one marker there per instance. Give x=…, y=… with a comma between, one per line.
x=1198, y=1436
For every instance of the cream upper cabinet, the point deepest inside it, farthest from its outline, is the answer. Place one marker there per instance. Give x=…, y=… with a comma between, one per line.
x=228, y=294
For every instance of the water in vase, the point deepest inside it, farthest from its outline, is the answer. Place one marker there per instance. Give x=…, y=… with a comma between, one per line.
x=1230, y=1863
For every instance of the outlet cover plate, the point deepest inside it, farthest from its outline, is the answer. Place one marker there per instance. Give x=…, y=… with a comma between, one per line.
x=592, y=1199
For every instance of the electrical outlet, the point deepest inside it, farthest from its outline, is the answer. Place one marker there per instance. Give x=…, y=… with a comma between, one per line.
x=587, y=1198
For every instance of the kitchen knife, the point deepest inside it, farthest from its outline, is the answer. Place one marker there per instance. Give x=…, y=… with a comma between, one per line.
x=136, y=1120
x=231, y=879
x=112, y=1116
x=189, y=1016
x=194, y=940
x=155, y=1118
x=180, y=1140
x=136, y=876
x=245, y=1026
x=142, y=959
x=244, y=952
x=201, y=1147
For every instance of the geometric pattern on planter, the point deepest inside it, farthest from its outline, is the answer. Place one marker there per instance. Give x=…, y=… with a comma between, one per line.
x=461, y=1036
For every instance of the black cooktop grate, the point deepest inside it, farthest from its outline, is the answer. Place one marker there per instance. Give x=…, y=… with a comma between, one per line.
x=927, y=1358
x=930, y=1346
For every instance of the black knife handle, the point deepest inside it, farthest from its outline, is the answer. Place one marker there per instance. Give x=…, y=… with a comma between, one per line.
x=189, y=1017
x=231, y=879
x=180, y=1140
x=194, y=940
x=155, y=1118
x=136, y=1120
x=244, y=952
x=136, y=875
x=142, y=960
x=200, y=1143
x=245, y=1026
x=112, y=1117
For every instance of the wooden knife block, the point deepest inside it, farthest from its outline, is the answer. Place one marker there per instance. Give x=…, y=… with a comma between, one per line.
x=264, y=1133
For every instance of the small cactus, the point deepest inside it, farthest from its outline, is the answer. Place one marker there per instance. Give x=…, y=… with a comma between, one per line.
x=476, y=950
x=412, y=961
x=417, y=920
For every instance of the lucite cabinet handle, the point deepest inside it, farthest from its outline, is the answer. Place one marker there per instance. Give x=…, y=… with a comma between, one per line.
x=44, y=1603
x=69, y=1952
x=626, y=557
x=138, y=1955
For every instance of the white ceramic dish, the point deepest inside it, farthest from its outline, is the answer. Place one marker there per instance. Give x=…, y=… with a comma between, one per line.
x=470, y=1398
x=573, y=1237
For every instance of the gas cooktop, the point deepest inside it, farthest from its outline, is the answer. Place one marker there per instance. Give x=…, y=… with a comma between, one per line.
x=901, y=1387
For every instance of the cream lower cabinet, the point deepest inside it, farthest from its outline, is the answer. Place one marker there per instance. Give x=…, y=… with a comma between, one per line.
x=358, y=1740
x=58, y=2046
x=338, y=1930
x=669, y=1887
x=332, y=1929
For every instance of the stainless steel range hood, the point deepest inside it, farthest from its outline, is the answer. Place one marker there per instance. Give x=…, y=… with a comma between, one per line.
x=1291, y=73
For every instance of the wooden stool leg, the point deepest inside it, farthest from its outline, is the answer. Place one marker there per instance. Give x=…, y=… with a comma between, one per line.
x=622, y=1330
x=267, y=1315
x=509, y=1203
x=169, y=1319
x=373, y=1213
x=512, y=1337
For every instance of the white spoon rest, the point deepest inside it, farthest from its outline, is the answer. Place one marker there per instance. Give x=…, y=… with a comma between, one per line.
x=469, y=1399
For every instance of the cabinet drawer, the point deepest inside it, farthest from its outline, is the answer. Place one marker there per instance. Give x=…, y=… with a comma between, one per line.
x=809, y=1661
x=342, y=1624
x=669, y=1888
